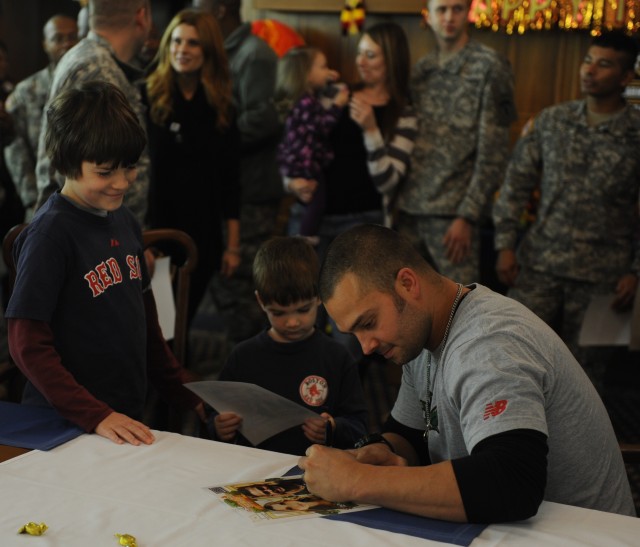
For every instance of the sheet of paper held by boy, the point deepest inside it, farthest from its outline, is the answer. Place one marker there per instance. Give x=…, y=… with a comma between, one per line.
x=270, y=500
x=264, y=413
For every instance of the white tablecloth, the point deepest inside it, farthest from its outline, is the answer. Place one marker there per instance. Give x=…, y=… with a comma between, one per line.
x=89, y=489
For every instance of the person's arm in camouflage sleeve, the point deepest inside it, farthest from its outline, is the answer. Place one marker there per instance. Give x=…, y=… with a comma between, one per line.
x=497, y=112
x=19, y=157
x=627, y=285
x=523, y=173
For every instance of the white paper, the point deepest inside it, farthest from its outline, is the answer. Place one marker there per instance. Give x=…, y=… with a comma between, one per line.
x=264, y=413
x=163, y=293
x=604, y=326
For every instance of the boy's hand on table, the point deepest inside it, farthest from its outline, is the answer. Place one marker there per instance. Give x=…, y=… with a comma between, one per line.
x=226, y=424
x=121, y=429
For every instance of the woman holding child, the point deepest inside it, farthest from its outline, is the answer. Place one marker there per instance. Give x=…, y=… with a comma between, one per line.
x=194, y=145
x=372, y=140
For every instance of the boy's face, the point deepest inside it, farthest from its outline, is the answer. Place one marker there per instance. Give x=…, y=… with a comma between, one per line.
x=100, y=187
x=291, y=323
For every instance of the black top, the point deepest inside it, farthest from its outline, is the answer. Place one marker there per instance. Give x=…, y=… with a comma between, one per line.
x=194, y=173
x=317, y=373
x=350, y=188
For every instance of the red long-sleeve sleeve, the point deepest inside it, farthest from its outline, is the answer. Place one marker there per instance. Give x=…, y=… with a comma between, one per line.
x=33, y=351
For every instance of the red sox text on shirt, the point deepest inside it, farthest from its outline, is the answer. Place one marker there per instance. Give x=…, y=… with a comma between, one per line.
x=108, y=273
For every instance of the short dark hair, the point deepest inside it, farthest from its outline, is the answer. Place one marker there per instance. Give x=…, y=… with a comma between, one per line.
x=285, y=271
x=92, y=122
x=374, y=254
x=233, y=6
x=114, y=13
x=621, y=42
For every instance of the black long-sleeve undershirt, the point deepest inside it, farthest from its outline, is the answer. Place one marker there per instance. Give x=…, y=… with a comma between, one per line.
x=504, y=477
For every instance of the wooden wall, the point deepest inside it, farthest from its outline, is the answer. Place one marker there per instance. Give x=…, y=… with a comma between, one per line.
x=21, y=23
x=545, y=63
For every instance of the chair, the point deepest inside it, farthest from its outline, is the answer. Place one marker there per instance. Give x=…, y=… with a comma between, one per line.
x=184, y=261
x=9, y=373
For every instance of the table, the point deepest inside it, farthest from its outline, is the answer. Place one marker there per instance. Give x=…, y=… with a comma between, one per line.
x=89, y=489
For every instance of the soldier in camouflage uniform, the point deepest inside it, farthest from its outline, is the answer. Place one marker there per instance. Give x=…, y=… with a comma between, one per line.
x=584, y=240
x=119, y=29
x=25, y=105
x=463, y=95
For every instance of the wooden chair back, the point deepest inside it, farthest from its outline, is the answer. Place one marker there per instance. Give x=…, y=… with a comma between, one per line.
x=185, y=262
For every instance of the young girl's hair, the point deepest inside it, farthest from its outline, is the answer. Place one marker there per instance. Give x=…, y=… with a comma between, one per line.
x=292, y=76
x=93, y=122
x=214, y=73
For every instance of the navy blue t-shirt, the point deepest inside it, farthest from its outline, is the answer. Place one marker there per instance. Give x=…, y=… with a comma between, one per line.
x=317, y=373
x=84, y=275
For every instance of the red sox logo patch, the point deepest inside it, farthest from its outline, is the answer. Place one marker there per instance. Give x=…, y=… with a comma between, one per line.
x=314, y=390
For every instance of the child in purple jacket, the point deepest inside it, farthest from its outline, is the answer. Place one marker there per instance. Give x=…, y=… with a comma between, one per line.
x=303, y=74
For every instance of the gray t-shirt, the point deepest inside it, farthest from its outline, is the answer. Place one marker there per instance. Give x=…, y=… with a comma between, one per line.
x=503, y=369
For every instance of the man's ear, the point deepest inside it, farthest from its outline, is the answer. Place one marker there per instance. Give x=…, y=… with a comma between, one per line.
x=628, y=77
x=143, y=17
x=407, y=283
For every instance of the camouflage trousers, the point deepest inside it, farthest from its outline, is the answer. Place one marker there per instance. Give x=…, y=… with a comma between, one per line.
x=234, y=298
x=562, y=304
x=426, y=234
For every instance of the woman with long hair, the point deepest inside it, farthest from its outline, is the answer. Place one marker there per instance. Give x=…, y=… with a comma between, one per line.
x=373, y=139
x=194, y=145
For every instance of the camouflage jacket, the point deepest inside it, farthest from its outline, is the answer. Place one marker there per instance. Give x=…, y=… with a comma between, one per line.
x=586, y=225
x=464, y=112
x=93, y=58
x=25, y=105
